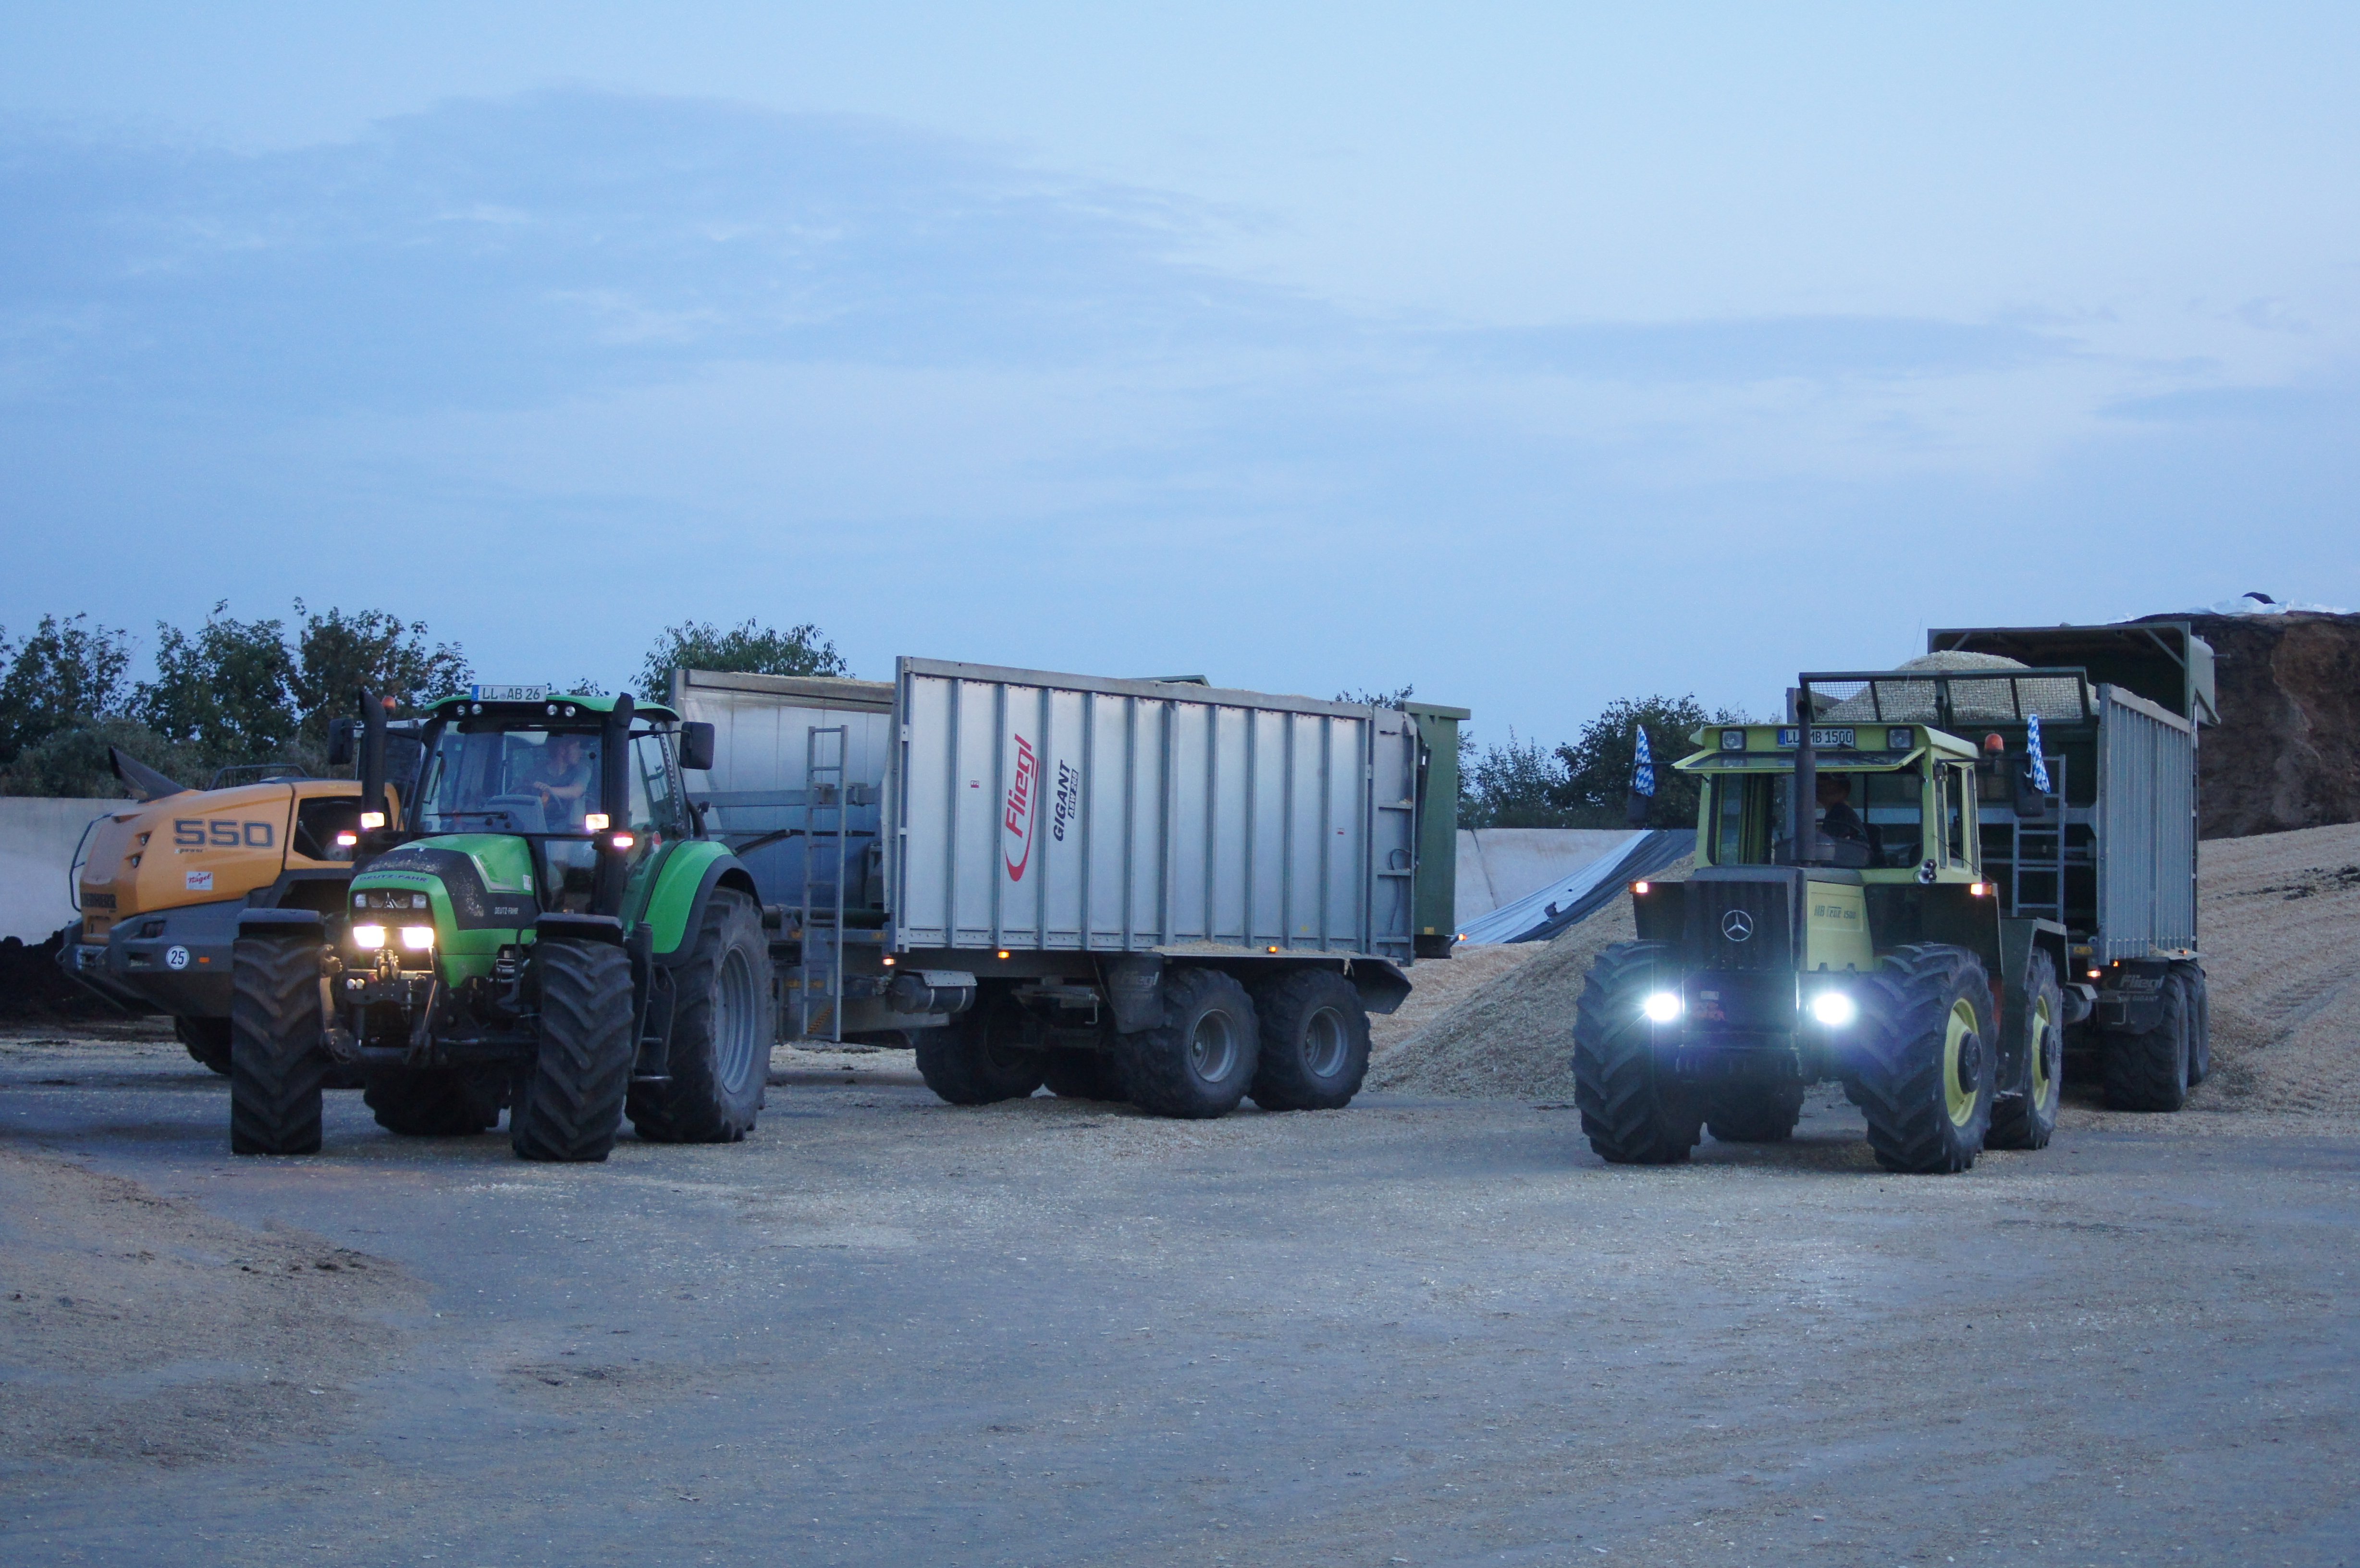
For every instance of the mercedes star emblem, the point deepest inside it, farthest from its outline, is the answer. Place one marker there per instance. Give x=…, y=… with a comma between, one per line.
x=1737, y=925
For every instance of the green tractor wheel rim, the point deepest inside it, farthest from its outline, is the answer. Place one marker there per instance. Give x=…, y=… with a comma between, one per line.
x=2040, y=1027
x=1962, y=1057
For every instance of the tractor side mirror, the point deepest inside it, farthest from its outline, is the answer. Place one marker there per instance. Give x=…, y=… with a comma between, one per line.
x=696, y=745
x=340, y=742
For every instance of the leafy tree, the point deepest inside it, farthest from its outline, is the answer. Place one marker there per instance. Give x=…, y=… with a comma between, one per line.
x=74, y=762
x=751, y=648
x=1598, y=763
x=228, y=688
x=66, y=674
x=338, y=654
x=1379, y=699
x=1519, y=785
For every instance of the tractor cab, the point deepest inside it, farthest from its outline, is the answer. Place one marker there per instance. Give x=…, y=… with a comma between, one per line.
x=1893, y=802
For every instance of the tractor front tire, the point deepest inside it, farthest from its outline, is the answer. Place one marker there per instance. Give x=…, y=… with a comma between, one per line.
x=1762, y=1112
x=2027, y=1118
x=1314, y=1042
x=1200, y=1061
x=569, y=1105
x=723, y=1022
x=980, y=1057
x=1632, y=1111
x=277, y=1059
x=1923, y=1071
x=439, y=1102
x=2150, y=1072
x=206, y=1041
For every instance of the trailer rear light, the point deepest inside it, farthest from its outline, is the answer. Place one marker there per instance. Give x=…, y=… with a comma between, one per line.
x=418, y=938
x=368, y=939
x=888, y=961
x=1001, y=953
x=593, y=821
x=372, y=820
x=1661, y=1007
x=1979, y=889
x=1640, y=889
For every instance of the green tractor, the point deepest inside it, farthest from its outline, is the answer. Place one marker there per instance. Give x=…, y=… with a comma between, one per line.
x=548, y=932
x=1924, y=919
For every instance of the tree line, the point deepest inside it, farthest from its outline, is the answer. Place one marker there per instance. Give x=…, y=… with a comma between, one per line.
x=237, y=693
x=1586, y=782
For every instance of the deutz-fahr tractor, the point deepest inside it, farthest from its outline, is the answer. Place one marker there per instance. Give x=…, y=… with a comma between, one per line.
x=1880, y=902
x=547, y=931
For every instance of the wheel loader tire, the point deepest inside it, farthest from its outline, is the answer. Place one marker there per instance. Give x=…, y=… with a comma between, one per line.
x=1764, y=1113
x=1921, y=1072
x=1314, y=1042
x=1200, y=1061
x=2150, y=1072
x=980, y=1057
x=569, y=1105
x=439, y=1102
x=2200, y=1022
x=723, y=1022
x=2029, y=1117
x=206, y=1040
x=1632, y=1111
x=277, y=1059
x=1077, y=1074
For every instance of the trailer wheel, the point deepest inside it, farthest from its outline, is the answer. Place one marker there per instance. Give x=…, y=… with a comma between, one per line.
x=2026, y=1119
x=1314, y=1042
x=570, y=1104
x=206, y=1040
x=439, y=1102
x=276, y=1060
x=1201, y=1060
x=1763, y=1113
x=722, y=1026
x=1632, y=1112
x=1073, y=1073
x=2150, y=1072
x=980, y=1057
x=2200, y=1022
x=1921, y=1072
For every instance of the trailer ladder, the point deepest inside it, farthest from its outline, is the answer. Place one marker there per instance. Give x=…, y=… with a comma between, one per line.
x=2035, y=855
x=818, y=996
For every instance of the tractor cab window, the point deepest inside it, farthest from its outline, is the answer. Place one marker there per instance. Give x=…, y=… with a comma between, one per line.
x=656, y=811
x=1894, y=806
x=509, y=780
x=1751, y=818
x=1954, y=793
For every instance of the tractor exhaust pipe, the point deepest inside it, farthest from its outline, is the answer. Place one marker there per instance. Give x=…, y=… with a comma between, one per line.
x=1805, y=837
x=372, y=771
x=615, y=799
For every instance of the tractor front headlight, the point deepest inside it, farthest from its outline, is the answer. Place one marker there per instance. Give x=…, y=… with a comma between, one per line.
x=368, y=939
x=418, y=938
x=1834, y=1008
x=1661, y=1007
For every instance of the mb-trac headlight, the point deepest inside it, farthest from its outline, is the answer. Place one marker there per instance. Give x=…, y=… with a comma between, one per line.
x=418, y=938
x=1834, y=1008
x=1661, y=1007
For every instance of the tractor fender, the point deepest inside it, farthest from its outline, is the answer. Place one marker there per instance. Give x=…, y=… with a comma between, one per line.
x=685, y=884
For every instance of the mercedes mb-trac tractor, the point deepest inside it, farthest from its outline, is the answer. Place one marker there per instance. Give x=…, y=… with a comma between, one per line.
x=547, y=930
x=1914, y=889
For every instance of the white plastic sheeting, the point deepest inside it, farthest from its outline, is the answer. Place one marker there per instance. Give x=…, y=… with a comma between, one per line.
x=1540, y=915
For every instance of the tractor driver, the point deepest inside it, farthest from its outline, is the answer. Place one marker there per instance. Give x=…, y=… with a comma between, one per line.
x=560, y=780
x=1838, y=820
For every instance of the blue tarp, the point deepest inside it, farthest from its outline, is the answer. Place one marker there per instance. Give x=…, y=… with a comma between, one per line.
x=1539, y=916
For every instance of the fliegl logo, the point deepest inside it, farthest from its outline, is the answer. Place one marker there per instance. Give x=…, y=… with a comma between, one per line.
x=1021, y=818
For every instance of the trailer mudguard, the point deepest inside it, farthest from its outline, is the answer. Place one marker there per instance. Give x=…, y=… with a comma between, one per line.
x=684, y=883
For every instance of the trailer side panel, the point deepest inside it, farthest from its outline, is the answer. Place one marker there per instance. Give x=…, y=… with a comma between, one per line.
x=2146, y=824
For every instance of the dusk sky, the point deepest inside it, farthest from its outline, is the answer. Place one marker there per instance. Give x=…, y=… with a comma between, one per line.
x=1534, y=354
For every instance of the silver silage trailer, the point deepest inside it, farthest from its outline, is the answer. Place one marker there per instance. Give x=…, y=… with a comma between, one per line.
x=1144, y=890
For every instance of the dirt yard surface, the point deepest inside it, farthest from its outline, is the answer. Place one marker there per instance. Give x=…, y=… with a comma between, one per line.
x=1425, y=1331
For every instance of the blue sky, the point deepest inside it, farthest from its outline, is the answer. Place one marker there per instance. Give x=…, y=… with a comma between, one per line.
x=1537, y=356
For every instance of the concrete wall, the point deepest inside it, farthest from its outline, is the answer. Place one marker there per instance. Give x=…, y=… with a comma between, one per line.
x=1499, y=866
x=37, y=835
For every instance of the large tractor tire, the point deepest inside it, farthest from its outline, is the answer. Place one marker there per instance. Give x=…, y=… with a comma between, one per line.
x=2150, y=1072
x=1314, y=1042
x=277, y=1059
x=1760, y=1113
x=206, y=1040
x=569, y=1105
x=1073, y=1073
x=1922, y=1072
x=439, y=1102
x=2027, y=1117
x=980, y=1057
x=723, y=1023
x=1632, y=1111
x=1201, y=1060
x=2200, y=1021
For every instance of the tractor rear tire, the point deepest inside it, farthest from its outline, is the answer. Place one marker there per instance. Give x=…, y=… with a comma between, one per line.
x=1763, y=1112
x=206, y=1040
x=980, y=1057
x=2150, y=1072
x=1632, y=1111
x=438, y=1102
x=1073, y=1073
x=723, y=1022
x=569, y=1105
x=1314, y=1042
x=1200, y=1061
x=277, y=1059
x=2027, y=1118
x=1923, y=1071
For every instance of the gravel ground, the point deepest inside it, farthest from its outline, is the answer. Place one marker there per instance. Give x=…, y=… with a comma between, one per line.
x=886, y=1331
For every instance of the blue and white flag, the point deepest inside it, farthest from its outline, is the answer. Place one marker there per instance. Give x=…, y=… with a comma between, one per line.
x=1643, y=775
x=2032, y=746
